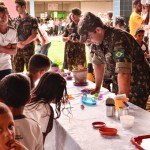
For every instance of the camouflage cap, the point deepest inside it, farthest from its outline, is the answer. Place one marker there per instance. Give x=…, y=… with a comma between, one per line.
x=76, y=11
x=88, y=23
x=120, y=21
x=2, y=3
x=21, y=2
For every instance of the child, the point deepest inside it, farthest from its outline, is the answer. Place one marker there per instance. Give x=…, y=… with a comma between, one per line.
x=7, y=130
x=38, y=65
x=139, y=35
x=8, y=43
x=50, y=89
x=15, y=92
x=38, y=46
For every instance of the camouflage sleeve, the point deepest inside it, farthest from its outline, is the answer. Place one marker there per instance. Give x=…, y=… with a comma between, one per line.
x=34, y=26
x=122, y=54
x=98, y=57
x=65, y=34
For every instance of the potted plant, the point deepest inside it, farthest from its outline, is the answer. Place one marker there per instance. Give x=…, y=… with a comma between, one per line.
x=80, y=74
x=54, y=67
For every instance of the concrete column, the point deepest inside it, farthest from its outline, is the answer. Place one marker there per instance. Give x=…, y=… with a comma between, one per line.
x=32, y=10
x=122, y=8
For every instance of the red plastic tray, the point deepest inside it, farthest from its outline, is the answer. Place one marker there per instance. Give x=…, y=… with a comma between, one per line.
x=138, y=140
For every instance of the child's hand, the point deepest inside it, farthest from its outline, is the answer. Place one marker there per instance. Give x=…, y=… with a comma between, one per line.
x=16, y=145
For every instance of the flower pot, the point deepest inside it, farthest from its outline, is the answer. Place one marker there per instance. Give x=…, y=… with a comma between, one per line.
x=80, y=76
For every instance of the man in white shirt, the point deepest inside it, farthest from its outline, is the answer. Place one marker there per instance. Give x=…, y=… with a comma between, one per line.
x=7, y=43
x=51, y=25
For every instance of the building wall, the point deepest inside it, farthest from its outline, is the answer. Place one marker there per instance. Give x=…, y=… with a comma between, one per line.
x=96, y=7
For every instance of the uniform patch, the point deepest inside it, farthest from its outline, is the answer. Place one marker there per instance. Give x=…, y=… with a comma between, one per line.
x=119, y=54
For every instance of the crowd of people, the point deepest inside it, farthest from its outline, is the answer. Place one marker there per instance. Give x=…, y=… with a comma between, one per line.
x=117, y=57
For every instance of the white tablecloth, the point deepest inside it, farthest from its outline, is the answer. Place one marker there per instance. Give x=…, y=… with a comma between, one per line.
x=74, y=131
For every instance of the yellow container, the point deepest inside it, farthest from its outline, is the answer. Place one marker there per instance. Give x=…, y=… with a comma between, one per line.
x=119, y=103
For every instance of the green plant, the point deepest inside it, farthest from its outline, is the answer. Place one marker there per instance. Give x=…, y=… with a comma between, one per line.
x=54, y=65
x=79, y=67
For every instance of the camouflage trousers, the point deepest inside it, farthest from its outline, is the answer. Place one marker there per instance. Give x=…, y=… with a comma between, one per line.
x=74, y=55
x=140, y=85
x=22, y=58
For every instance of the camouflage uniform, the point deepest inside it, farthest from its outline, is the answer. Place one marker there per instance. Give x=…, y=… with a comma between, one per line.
x=125, y=55
x=74, y=52
x=122, y=54
x=25, y=27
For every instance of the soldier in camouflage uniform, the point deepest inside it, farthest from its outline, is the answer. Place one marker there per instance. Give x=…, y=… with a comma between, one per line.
x=123, y=56
x=27, y=29
x=74, y=50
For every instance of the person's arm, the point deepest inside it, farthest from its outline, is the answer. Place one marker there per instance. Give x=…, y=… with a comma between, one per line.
x=124, y=83
x=99, y=73
x=30, y=39
x=42, y=38
x=66, y=39
x=123, y=58
x=65, y=36
x=147, y=27
x=9, y=49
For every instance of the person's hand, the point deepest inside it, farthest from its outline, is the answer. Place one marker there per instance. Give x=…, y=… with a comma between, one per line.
x=16, y=145
x=93, y=91
x=69, y=38
x=20, y=45
x=77, y=40
x=146, y=55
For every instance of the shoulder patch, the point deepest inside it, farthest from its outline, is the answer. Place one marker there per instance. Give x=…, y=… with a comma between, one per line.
x=119, y=54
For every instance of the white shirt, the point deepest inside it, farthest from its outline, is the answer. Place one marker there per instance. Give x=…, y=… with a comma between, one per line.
x=8, y=38
x=51, y=23
x=40, y=114
x=45, y=35
x=29, y=133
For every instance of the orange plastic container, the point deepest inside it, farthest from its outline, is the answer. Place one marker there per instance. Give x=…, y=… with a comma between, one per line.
x=119, y=103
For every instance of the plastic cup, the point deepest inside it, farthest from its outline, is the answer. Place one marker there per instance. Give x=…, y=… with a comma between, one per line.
x=127, y=121
x=119, y=103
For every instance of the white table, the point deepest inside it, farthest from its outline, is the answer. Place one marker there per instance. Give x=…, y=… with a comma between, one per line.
x=77, y=133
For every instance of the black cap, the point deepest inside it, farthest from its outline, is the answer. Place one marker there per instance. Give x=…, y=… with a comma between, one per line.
x=139, y=30
x=76, y=11
x=88, y=23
